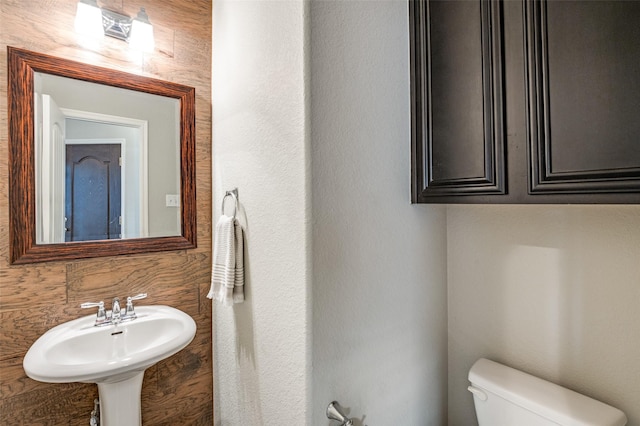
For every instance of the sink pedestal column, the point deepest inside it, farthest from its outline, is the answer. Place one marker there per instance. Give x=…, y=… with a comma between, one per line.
x=120, y=401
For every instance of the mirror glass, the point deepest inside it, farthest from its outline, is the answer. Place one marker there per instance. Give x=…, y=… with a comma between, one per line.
x=106, y=169
x=101, y=162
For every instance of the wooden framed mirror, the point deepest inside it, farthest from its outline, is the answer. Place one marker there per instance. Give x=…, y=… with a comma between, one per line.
x=41, y=189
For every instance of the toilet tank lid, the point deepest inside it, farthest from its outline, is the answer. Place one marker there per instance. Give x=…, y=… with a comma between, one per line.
x=544, y=398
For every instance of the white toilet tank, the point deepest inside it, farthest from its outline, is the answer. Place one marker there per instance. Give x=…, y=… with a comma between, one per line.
x=504, y=396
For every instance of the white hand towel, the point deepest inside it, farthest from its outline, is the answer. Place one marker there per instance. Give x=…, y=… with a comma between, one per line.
x=227, y=271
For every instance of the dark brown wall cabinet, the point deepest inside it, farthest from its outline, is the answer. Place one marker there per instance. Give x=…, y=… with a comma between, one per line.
x=525, y=102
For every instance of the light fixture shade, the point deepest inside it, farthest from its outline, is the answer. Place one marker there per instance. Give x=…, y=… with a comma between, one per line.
x=141, y=37
x=89, y=19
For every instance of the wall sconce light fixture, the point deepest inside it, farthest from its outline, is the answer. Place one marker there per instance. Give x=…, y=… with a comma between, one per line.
x=93, y=21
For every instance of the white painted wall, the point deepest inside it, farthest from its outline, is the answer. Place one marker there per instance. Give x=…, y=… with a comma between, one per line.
x=261, y=145
x=378, y=314
x=379, y=275
x=552, y=290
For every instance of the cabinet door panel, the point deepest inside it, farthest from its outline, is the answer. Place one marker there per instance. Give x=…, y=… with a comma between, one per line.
x=583, y=63
x=457, y=99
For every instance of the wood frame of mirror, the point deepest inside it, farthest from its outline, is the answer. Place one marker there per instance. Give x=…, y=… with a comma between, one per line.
x=22, y=64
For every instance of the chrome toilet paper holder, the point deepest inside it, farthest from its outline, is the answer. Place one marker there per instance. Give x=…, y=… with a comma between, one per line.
x=335, y=412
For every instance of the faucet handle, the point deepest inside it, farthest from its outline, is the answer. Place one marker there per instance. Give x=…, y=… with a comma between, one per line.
x=129, y=310
x=101, y=317
x=137, y=297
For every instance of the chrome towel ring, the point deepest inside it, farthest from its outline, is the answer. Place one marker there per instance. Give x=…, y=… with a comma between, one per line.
x=234, y=194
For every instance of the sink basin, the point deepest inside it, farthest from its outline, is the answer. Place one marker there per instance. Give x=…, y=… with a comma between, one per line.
x=114, y=356
x=77, y=351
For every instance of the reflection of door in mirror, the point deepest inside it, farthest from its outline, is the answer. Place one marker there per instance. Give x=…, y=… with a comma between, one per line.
x=93, y=187
x=63, y=127
x=131, y=135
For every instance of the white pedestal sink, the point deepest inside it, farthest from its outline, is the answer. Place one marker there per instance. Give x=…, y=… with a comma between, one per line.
x=113, y=356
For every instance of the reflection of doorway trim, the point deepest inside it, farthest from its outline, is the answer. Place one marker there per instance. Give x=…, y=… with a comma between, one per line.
x=50, y=186
x=142, y=127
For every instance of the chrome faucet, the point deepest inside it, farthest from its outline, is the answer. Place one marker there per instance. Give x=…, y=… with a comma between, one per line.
x=115, y=315
x=115, y=310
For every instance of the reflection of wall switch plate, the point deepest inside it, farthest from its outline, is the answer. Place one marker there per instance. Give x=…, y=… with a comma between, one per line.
x=172, y=200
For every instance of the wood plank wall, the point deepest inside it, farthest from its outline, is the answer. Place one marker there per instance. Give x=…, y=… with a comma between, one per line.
x=33, y=298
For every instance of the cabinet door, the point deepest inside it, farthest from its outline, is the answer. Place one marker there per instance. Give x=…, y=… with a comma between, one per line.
x=457, y=99
x=583, y=89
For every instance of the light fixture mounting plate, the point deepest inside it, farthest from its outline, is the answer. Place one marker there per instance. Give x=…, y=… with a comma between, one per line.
x=116, y=25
